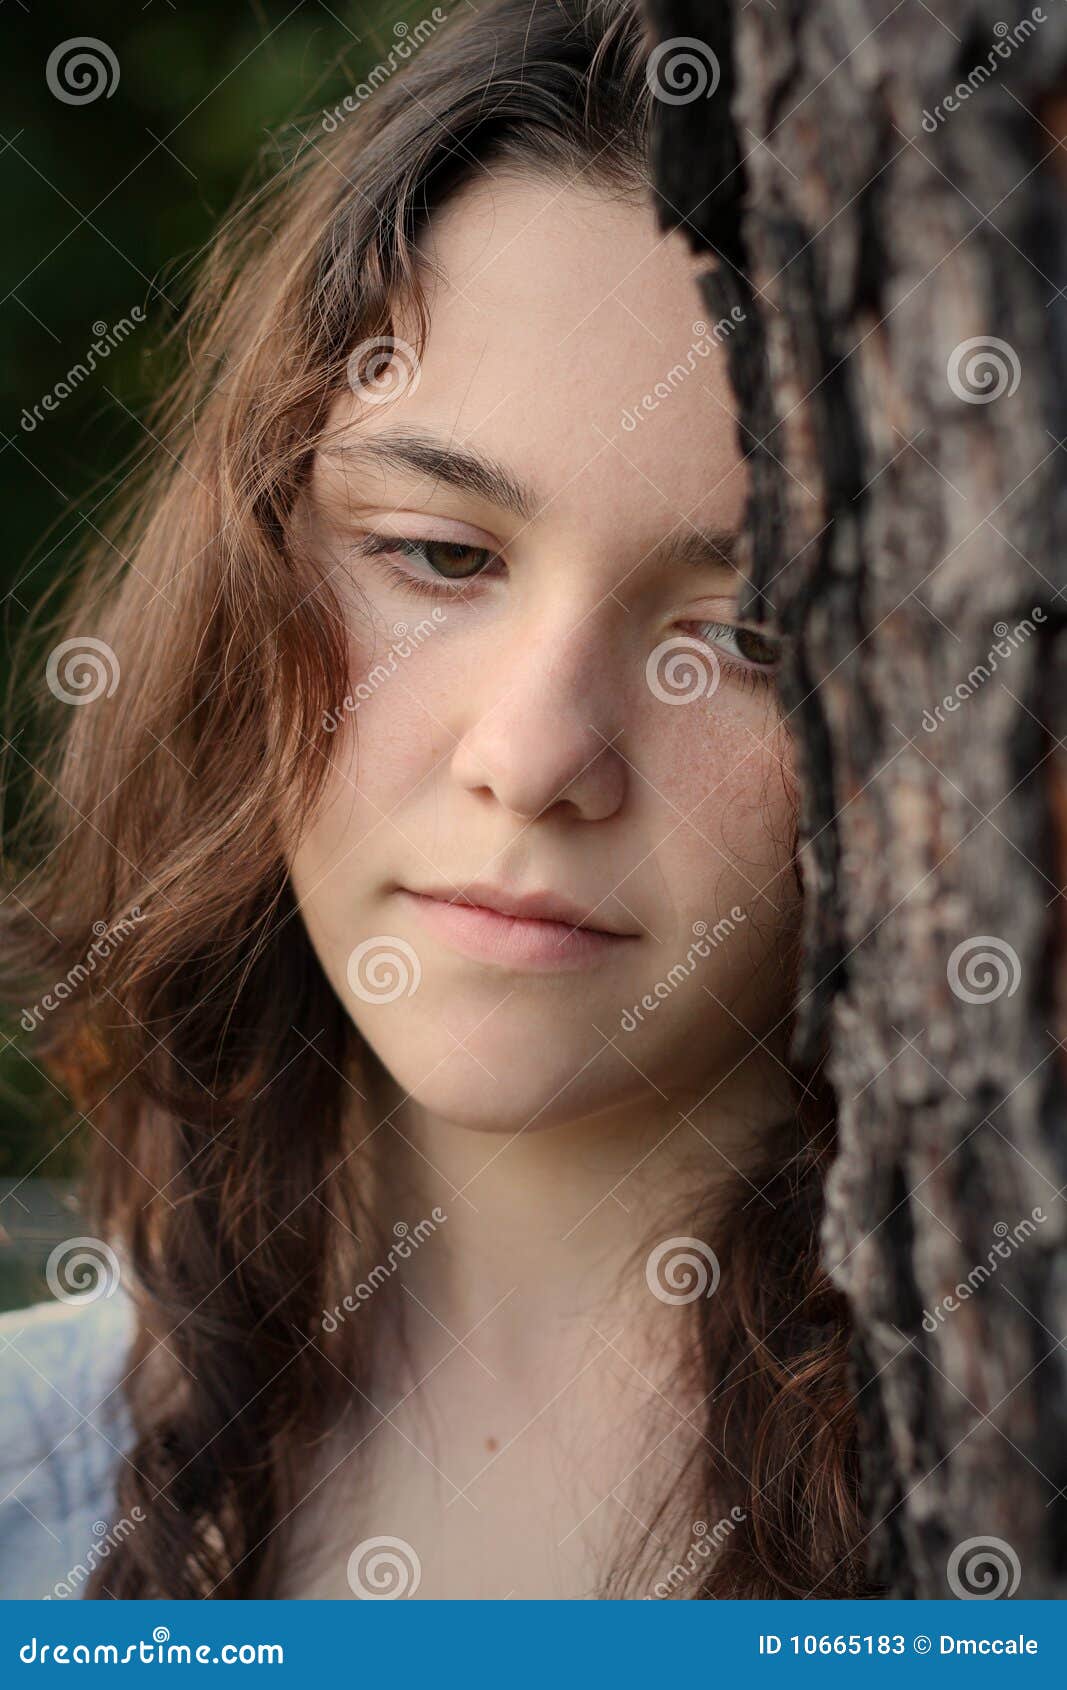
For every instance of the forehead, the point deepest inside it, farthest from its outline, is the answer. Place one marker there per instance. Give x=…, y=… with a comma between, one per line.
x=558, y=316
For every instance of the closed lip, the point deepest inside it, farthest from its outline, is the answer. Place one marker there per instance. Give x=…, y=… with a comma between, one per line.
x=528, y=906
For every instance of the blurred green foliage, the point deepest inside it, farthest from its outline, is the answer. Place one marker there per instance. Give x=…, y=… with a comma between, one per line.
x=109, y=203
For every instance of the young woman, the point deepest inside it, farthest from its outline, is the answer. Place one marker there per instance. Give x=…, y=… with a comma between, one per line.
x=456, y=1203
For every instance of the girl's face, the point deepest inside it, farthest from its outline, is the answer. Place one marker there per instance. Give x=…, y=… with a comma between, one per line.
x=550, y=699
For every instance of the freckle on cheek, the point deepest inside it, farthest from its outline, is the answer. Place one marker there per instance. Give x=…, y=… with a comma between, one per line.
x=714, y=756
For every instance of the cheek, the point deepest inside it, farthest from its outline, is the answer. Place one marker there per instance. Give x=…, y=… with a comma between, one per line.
x=726, y=765
x=391, y=737
x=727, y=810
x=385, y=753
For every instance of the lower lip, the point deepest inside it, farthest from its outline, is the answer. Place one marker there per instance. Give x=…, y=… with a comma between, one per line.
x=513, y=940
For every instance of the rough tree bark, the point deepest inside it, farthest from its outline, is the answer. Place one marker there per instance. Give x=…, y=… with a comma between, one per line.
x=901, y=385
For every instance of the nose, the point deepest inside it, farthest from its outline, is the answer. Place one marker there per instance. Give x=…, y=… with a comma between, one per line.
x=543, y=723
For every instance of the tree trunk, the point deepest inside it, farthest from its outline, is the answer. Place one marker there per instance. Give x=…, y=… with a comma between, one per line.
x=901, y=383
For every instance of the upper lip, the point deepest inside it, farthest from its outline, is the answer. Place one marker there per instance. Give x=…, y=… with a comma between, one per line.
x=533, y=905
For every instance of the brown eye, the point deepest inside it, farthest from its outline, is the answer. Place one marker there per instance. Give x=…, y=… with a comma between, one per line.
x=755, y=647
x=746, y=647
x=454, y=561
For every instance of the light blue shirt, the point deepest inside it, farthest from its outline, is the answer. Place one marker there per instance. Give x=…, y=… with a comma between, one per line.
x=64, y=1425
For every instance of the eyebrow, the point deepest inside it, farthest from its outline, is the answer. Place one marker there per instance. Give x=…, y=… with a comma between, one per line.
x=415, y=450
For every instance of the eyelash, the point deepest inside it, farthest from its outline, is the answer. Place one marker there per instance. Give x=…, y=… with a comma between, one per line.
x=381, y=547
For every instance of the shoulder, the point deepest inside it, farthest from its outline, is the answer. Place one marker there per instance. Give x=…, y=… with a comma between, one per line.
x=66, y=1424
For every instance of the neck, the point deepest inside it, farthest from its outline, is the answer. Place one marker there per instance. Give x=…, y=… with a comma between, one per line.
x=547, y=1232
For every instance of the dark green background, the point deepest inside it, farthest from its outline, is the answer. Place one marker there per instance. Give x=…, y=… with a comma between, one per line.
x=107, y=206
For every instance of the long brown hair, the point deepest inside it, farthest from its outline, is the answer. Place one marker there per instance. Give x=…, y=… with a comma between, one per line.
x=207, y=1027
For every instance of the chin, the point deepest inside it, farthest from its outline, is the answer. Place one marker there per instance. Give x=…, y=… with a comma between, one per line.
x=527, y=1083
